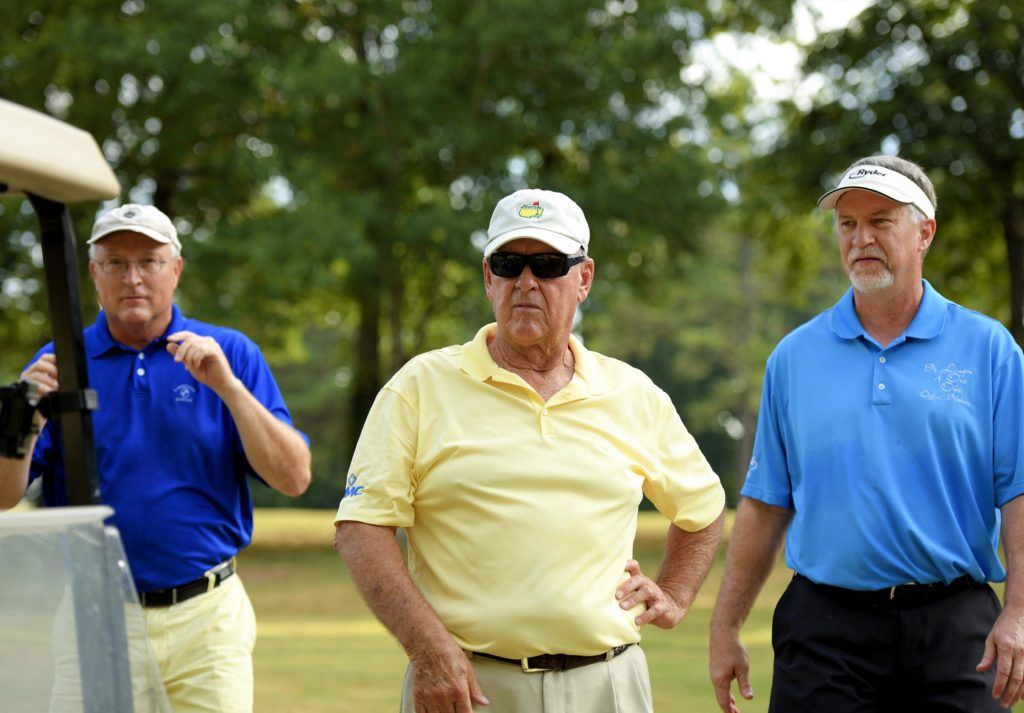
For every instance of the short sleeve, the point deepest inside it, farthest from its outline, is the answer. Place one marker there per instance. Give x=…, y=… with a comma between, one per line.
x=768, y=474
x=682, y=484
x=1007, y=426
x=252, y=369
x=380, y=483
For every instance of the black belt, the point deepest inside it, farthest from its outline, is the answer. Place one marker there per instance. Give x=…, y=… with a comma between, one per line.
x=900, y=596
x=556, y=662
x=183, y=592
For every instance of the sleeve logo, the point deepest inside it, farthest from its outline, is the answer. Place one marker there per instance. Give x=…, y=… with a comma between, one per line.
x=351, y=489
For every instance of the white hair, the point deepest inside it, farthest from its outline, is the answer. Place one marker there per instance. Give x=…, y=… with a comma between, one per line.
x=175, y=252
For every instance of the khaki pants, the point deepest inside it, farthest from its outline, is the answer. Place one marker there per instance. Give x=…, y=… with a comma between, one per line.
x=203, y=648
x=621, y=685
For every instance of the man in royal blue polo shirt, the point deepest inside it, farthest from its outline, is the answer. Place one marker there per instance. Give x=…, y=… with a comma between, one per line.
x=188, y=411
x=888, y=442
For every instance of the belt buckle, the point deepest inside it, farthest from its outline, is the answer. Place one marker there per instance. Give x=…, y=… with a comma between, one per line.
x=525, y=664
x=212, y=575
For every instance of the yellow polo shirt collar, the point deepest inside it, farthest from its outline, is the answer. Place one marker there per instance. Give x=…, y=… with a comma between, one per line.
x=589, y=379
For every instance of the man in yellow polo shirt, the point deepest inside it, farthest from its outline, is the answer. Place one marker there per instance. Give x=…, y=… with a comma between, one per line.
x=516, y=463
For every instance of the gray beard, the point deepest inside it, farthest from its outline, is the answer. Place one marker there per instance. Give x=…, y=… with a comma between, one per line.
x=872, y=283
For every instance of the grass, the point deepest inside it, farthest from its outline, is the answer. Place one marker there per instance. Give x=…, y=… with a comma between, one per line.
x=320, y=648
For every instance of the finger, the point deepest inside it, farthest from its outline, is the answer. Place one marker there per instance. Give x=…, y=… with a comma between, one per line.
x=196, y=355
x=647, y=591
x=723, y=695
x=181, y=336
x=46, y=363
x=476, y=694
x=1003, y=670
x=631, y=585
x=743, y=681
x=649, y=614
x=633, y=567
x=1013, y=684
x=989, y=656
x=45, y=367
x=48, y=382
x=185, y=349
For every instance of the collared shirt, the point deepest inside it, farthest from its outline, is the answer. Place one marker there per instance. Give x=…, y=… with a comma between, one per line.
x=169, y=457
x=521, y=514
x=893, y=460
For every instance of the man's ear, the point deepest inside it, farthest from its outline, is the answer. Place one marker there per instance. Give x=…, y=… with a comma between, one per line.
x=927, y=234
x=487, y=278
x=587, y=269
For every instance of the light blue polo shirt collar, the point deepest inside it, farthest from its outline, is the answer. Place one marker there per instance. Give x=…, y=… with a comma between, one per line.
x=928, y=323
x=99, y=341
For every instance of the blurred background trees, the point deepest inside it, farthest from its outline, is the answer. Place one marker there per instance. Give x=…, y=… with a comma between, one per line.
x=332, y=166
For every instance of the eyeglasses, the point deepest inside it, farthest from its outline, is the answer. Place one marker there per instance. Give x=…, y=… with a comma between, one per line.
x=542, y=265
x=147, y=266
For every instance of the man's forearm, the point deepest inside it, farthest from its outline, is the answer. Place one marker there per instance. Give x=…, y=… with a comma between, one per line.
x=756, y=539
x=274, y=449
x=688, y=559
x=375, y=560
x=1013, y=546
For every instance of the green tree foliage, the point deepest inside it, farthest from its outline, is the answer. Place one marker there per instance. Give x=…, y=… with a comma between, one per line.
x=940, y=82
x=331, y=165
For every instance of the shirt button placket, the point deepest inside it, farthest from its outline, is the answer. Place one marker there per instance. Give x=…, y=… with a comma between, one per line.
x=545, y=422
x=139, y=382
x=882, y=394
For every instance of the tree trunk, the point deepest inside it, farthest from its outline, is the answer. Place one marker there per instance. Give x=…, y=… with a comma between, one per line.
x=1013, y=230
x=367, y=377
x=395, y=312
x=744, y=337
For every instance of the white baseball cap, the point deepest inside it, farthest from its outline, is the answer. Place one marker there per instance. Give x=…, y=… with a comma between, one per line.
x=145, y=219
x=883, y=181
x=548, y=216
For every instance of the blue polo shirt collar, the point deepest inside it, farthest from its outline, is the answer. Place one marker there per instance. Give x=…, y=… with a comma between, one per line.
x=928, y=323
x=99, y=341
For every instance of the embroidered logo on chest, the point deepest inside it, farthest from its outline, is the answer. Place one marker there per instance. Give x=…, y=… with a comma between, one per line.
x=184, y=393
x=950, y=383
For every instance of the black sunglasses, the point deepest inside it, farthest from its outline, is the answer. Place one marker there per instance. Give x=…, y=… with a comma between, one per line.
x=542, y=265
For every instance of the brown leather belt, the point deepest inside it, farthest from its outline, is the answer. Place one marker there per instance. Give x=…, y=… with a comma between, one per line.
x=176, y=595
x=556, y=662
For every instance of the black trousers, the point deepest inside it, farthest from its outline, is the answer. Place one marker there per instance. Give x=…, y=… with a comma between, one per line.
x=837, y=655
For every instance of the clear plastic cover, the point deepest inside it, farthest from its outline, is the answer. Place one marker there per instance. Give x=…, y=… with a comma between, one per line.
x=72, y=633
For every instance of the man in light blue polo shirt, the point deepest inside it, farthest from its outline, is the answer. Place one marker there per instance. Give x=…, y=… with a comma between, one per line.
x=888, y=442
x=188, y=412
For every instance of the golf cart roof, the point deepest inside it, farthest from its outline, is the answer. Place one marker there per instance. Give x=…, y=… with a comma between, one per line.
x=46, y=157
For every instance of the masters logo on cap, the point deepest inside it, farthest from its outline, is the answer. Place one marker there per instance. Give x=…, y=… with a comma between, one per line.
x=531, y=211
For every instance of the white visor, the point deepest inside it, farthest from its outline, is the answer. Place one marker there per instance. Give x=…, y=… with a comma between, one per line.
x=883, y=181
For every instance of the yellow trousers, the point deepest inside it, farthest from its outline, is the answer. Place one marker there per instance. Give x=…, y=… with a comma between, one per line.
x=202, y=647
